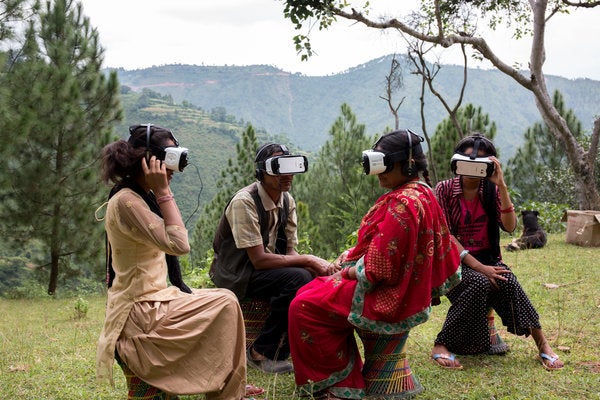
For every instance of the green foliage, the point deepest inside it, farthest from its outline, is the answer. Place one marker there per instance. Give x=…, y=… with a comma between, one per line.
x=62, y=111
x=238, y=174
x=12, y=11
x=196, y=276
x=25, y=288
x=540, y=170
x=551, y=214
x=471, y=119
x=511, y=13
x=81, y=308
x=13, y=271
x=334, y=193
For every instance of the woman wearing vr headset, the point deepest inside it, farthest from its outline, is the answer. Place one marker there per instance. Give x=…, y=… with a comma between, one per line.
x=166, y=335
x=403, y=257
x=476, y=208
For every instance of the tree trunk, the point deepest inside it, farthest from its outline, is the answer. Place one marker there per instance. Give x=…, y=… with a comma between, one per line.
x=53, y=273
x=581, y=164
x=55, y=246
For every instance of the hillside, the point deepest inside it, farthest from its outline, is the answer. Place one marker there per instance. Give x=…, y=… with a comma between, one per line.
x=211, y=138
x=304, y=107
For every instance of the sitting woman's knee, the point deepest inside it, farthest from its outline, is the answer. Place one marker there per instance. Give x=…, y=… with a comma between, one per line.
x=479, y=282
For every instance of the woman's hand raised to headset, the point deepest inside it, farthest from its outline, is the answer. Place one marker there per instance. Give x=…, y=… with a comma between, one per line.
x=498, y=176
x=155, y=176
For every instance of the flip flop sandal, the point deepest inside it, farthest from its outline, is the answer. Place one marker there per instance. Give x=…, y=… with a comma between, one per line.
x=252, y=390
x=446, y=356
x=542, y=357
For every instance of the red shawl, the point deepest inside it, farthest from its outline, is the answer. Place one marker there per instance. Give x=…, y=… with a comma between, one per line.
x=408, y=257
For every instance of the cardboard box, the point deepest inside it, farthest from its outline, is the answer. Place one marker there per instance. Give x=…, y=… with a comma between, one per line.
x=583, y=227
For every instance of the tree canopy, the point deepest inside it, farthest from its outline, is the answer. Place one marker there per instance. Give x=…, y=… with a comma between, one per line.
x=450, y=23
x=335, y=191
x=61, y=111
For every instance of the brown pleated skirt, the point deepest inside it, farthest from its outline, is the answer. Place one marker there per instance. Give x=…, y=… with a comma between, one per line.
x=190, y=345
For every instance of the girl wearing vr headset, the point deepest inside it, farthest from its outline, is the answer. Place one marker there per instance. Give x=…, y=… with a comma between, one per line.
x=165, y=335
x=476, y=208
x=403, y=257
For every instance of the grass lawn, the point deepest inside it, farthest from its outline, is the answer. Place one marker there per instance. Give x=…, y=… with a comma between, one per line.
x=47, y=353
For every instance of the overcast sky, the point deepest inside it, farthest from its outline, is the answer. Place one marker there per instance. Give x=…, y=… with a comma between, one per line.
x=144, y=33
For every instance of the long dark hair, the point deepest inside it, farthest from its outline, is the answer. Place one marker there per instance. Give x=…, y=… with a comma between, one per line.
x=397, y=141
x=121, y=159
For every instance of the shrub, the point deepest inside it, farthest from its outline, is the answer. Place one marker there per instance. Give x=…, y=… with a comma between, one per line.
x=550, y=218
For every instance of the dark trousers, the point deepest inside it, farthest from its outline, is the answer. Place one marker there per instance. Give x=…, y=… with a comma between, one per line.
x=278, y=287
x=465, y=329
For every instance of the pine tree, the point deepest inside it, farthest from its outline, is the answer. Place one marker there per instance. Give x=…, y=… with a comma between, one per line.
x=335, y=194
x=63, y=110
x=539, y=170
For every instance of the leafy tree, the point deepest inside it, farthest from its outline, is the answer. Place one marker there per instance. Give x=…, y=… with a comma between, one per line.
x=334, y=190
x=62, y=111
x=443, y=24
x=470, y=119
x=238, y=174
x=539, y=171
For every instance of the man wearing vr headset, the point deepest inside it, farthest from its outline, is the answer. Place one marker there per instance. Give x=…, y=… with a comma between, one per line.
x=255, y=252
x=477, y=205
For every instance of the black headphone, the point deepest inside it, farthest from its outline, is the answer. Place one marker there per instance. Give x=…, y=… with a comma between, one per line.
x=261, y=153
x=408, y=168
x=148, y=134
x=150, y=149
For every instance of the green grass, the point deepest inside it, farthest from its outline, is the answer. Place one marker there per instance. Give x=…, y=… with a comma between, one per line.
x=47, y=353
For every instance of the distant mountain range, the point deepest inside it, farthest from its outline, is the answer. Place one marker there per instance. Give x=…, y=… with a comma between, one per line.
x=303, y=108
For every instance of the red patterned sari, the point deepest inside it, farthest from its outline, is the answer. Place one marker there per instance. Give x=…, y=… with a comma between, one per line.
x=404, y=256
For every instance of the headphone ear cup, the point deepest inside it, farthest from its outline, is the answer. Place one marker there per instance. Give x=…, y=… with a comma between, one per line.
x=408, y=169
x=258, y=174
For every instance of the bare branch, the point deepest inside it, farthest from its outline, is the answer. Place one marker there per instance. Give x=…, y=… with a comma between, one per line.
x=393, y=80
x=477, y=43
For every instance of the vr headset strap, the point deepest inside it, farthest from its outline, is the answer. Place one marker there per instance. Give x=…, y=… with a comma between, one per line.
x=476, y=144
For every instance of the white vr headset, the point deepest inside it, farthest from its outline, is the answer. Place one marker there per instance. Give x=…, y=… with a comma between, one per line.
x=286, y=165
x=477, y=167
x=376, y=162
x=175, y=158
x=373, y=162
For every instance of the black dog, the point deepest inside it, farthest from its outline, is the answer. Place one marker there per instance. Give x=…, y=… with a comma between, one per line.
x=533, y=236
